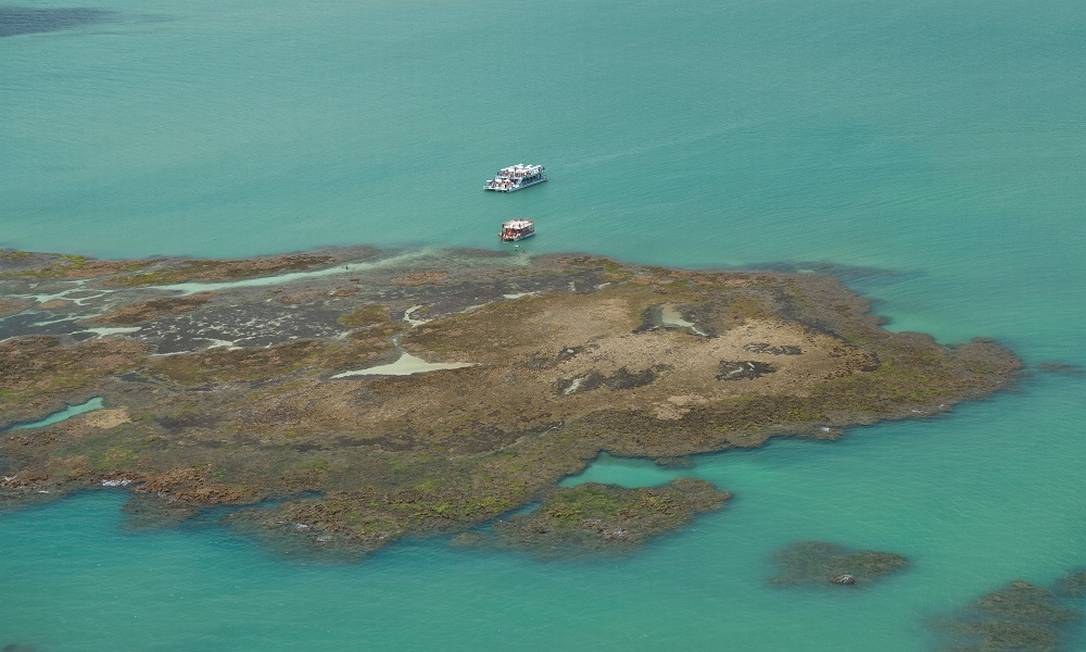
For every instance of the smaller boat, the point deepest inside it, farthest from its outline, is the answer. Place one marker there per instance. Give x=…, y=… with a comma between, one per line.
x=518, y=229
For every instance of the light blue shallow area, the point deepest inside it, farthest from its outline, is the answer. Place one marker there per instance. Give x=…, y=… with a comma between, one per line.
x=89, y=405
x=941, y=144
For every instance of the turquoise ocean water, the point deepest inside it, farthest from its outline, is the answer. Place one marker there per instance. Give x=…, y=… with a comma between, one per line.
x=935, y=150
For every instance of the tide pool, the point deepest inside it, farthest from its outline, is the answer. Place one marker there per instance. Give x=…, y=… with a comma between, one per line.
x=60, y=415
x=405, y=365
x=934, y=149
x=291, y=277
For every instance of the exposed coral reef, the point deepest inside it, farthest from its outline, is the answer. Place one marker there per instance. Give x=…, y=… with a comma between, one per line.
x=592, y=518
x=225, y=391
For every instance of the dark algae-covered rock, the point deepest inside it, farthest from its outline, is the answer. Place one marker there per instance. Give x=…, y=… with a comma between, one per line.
x=1071, y=585
x=1062, y=368
x=743, y=369
x=244, y=386
x=1019, y=616
x=766, y=347
x=817, y=562
x=675, y=462
x=144, y=311
x=149, y=510
x=13, y=306
x=622, y=378
x=599, y=518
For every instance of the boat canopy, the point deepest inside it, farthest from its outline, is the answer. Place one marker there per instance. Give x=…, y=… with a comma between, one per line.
x=520, y=170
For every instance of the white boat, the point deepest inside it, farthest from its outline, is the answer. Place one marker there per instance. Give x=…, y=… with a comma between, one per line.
x=518, y=229
x=516, y=177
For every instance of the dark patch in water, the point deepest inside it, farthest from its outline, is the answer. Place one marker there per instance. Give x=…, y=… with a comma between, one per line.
x=1019, y=616
x=33, y=20
x=1072, y=585
x=1061, y=368
x=846, y=273
x=674, y=463
x=821, y=563
x=149, y=511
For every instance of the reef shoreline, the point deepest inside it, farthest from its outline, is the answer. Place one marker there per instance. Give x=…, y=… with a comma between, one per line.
x=248, y=389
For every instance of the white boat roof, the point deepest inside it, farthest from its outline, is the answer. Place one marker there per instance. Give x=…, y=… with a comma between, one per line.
x=517, y=224
x=522, y=167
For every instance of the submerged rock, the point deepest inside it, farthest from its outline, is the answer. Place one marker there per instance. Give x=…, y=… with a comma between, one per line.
x=673, y=463
x=817, y=562
x=314, y=530
x=1061, y=368
x=1019, y=616
x=145, y=511
x=595, y=518
x=1071, y=585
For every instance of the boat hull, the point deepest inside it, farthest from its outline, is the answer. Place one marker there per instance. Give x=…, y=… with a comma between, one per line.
x=517, y=237
x=526, y=184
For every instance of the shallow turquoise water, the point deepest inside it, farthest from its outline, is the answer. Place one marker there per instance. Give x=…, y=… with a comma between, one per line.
x=89, y=405
x=939, y=143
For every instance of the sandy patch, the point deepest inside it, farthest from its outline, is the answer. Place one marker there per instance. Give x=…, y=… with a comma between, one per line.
x=105, y=419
